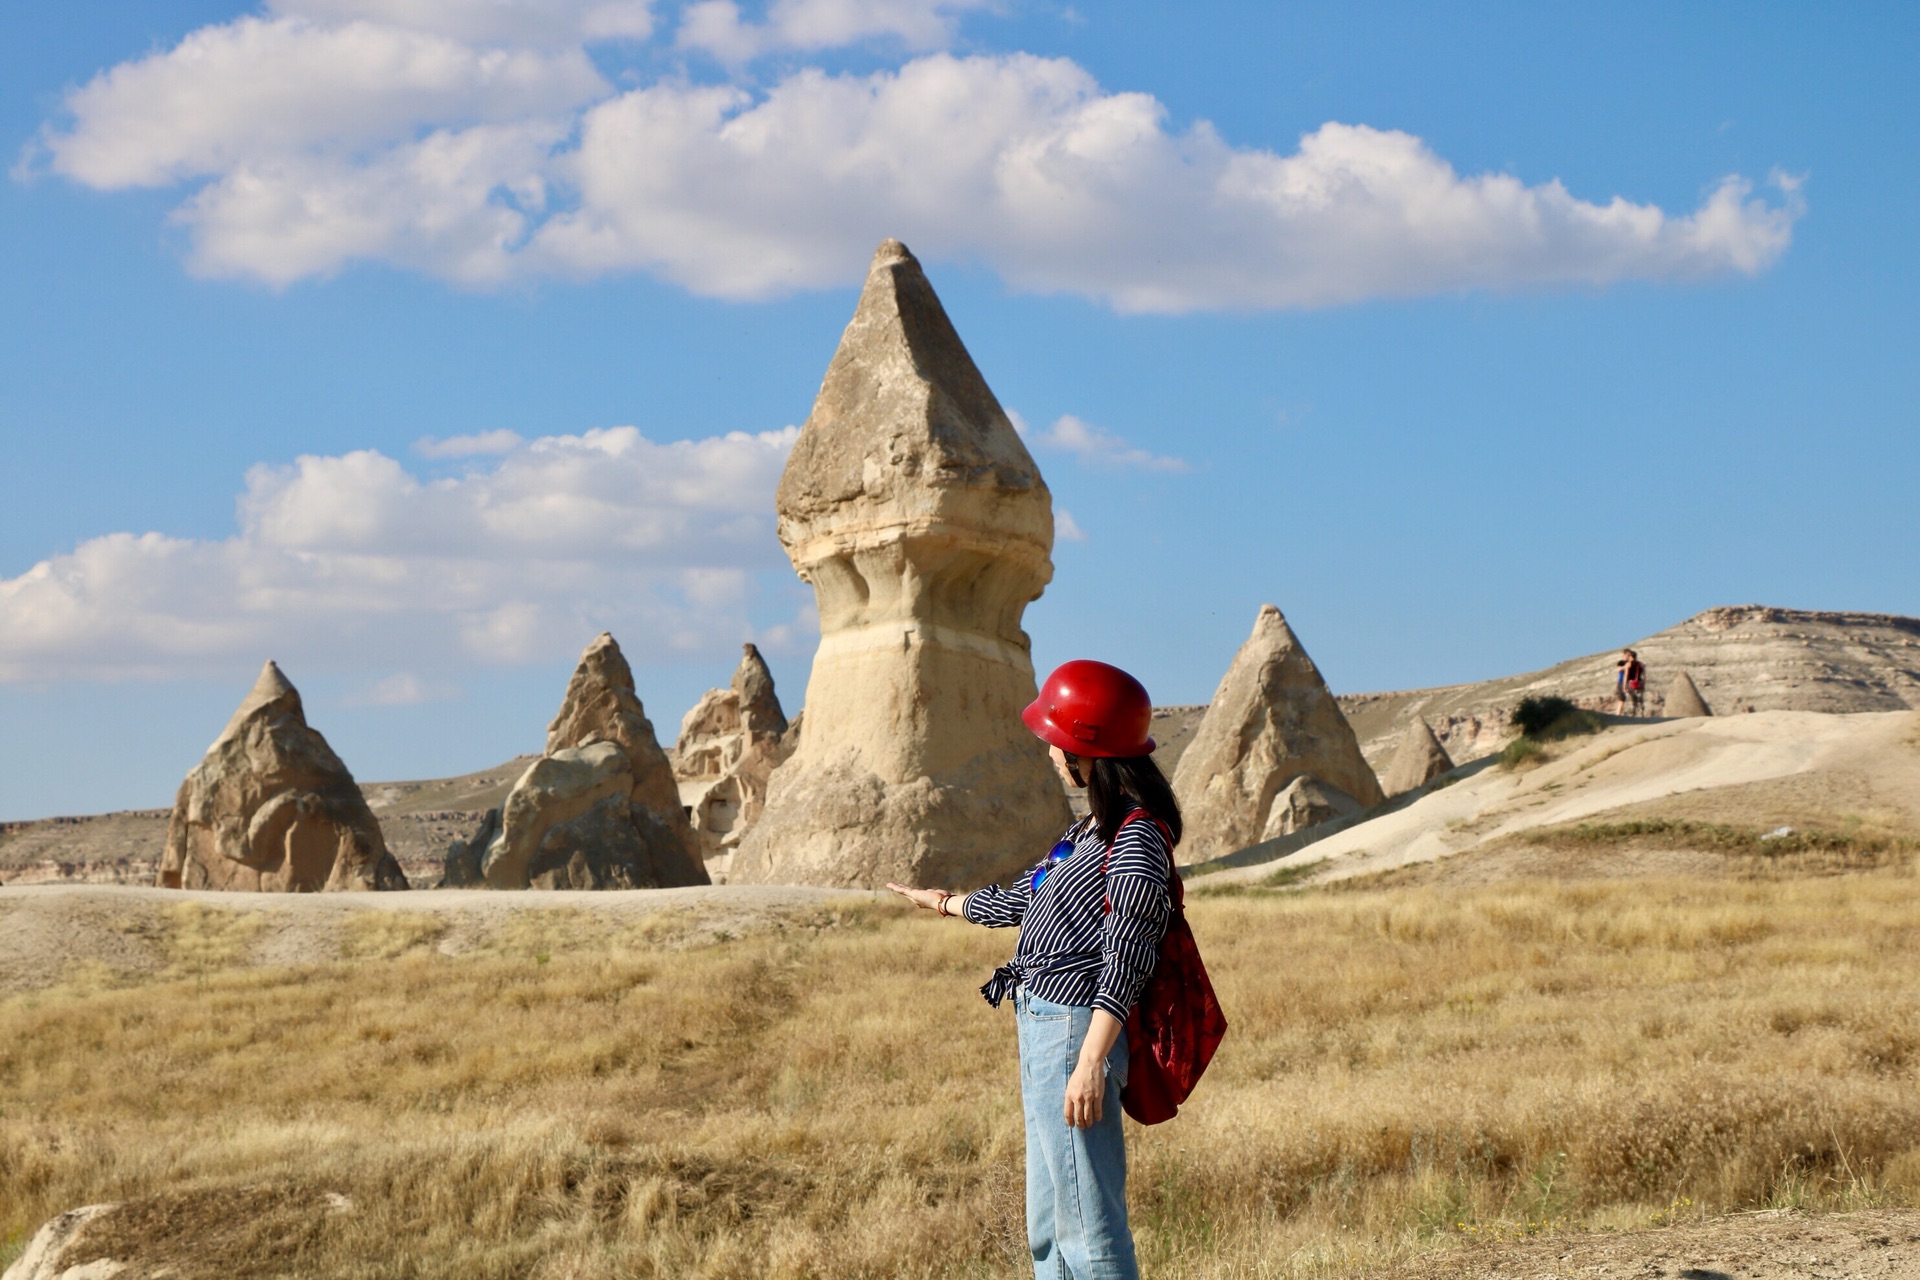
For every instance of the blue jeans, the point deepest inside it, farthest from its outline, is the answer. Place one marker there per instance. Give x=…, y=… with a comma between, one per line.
x=1076, y=1178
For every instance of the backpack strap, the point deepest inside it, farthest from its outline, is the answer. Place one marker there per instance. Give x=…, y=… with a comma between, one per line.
x=1174, y=887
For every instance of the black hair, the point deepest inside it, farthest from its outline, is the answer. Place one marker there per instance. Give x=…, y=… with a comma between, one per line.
x=1116, y=786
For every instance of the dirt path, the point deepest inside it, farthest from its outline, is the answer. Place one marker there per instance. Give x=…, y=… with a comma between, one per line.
x=1774, y=1245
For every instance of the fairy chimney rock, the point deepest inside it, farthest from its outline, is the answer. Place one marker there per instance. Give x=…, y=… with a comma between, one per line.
x=599, y=810
x=1271, y=720
x=601, y=705
x=1419, y=759
x=752, y=685
x=918, y=516
x=271, y=808
x=1684, y=699
x=1304, y=803
x=729, y=746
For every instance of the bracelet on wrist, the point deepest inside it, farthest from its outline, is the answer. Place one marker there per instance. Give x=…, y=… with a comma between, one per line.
x=941, y=906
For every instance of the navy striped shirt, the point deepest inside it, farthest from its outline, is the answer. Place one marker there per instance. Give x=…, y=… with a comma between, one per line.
x=1072, y=950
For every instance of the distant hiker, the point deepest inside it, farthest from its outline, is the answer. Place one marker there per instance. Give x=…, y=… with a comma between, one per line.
x=1101, y=932
x=1630, y=684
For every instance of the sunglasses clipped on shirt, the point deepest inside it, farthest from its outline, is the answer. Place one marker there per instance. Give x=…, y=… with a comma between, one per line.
x=1055, y=856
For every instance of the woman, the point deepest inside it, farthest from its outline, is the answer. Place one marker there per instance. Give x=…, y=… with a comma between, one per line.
x=1091, y=916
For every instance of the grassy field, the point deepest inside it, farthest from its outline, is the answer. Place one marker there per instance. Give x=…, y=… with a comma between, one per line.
x=1410, y=1070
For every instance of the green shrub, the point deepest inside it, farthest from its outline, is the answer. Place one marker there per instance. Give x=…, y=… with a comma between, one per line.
x=1548, y=719
x=1522, y=753
x=1291, y=874
x=1533, y=715
x=1721, y=837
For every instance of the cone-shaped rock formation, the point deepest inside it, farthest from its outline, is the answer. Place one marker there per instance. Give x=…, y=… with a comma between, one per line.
x=601, y=706
x=1684, y=699
x=1417, y=761
x=272, y=808
x=599, y=810
x=730, y=744
x=1306, y=802
x=752, y=687
x=1271, y=720
x=912, y=507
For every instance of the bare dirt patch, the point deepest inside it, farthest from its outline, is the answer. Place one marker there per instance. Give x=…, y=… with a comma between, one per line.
x=1770, y=1245
x=206, y=1236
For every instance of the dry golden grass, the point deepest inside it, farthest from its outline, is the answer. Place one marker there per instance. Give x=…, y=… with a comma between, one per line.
x=1852, y=843
x=1409, y=1071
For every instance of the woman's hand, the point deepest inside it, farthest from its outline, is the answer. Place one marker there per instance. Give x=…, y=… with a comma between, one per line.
x=928, y=898
x=1086, y=1093
x=1087, y=1086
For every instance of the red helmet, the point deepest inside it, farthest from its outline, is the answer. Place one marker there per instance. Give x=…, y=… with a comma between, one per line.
x=1088, y=708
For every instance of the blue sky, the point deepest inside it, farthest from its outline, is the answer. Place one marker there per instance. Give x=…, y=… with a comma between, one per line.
x=1327, y=307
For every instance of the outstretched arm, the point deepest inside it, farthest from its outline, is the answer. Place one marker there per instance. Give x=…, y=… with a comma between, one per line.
x=995, y=905
x=935, y=900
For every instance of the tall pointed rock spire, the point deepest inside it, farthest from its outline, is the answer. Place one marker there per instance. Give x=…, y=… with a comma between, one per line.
x=599, y=809
x=904, y=414
x=602, y=705
x=271, y=687
x=272, y=808
x=730, y=744
x=1272, y=720
x=918, y=516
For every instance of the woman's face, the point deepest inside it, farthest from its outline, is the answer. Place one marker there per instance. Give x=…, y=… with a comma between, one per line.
x=1061, y=766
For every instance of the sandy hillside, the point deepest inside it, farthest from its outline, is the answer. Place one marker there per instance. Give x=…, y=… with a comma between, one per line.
x=106, y=848
x=1662, y=790
x=1743, y=658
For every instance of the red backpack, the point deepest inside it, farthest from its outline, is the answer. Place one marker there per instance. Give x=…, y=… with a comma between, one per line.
x=1176, y=1024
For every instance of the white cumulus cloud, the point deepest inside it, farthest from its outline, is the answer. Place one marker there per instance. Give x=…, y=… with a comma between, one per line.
x=478, y=444
x=476, y=140
x=254, y=91
x=1102, y=448
x=715, y=26
x=513, y=22
x=355, y=555
x=402, y=689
